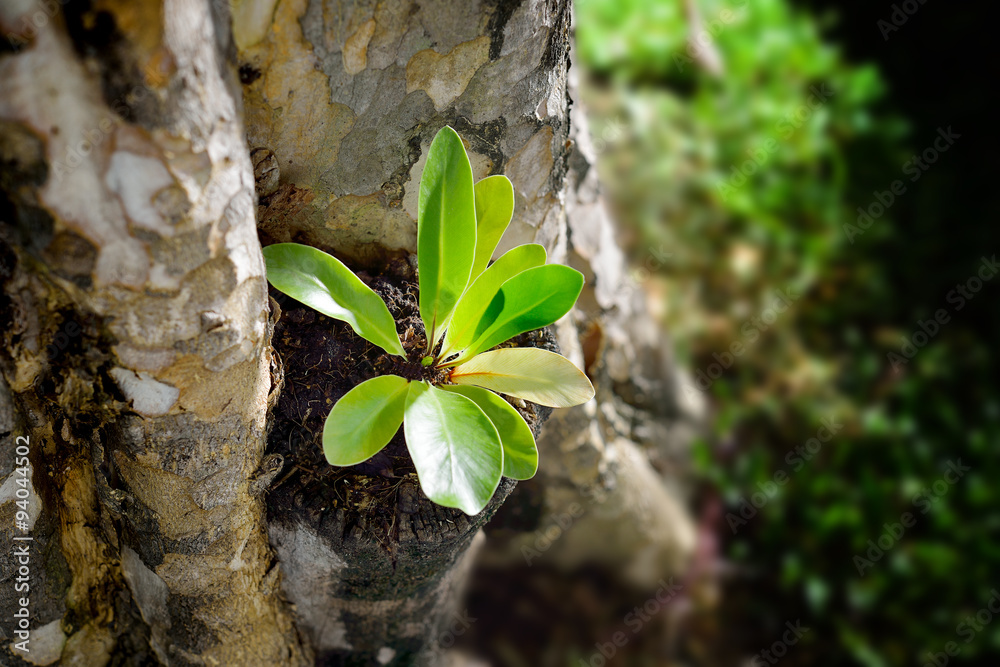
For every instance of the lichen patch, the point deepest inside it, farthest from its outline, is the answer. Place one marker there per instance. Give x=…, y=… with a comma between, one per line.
x=445, y=77
x=149, y=396
x=251, y=21
x=355, y=51
x=136, y=180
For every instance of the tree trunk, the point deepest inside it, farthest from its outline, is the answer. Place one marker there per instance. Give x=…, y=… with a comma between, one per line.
x=136, y=336
x=342, y=101
x=137, y=355
x=612, y=482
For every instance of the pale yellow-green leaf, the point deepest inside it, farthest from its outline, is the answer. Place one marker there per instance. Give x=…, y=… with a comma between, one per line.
x=530, y=373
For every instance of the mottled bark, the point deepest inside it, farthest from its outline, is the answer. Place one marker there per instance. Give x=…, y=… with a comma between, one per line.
x=135, y=337
x=342, y=100
x=611, y=487
x=380, y=80
x=349, y=95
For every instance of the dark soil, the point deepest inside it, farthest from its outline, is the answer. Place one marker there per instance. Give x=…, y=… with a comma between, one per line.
x=323, y=359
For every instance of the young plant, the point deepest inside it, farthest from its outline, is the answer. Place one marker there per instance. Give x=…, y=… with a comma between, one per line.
x=461, y=435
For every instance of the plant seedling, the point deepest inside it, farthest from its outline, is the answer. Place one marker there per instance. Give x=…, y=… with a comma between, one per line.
x=461, y=435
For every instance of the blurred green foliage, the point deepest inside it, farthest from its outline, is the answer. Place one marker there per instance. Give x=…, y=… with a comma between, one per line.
x=734, y=149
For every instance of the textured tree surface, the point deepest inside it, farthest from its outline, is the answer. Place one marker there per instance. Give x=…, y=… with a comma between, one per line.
x=140, y=144
x=347, y=97
x=136, y=338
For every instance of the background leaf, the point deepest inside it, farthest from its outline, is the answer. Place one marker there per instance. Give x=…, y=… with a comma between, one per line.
x=520, y=455
x=364, y=420
x=446, y=230
x=494, y=209
x=530, y=300
x=462, y=329
x=322, y=282
x=535, y=375
x=454, y=446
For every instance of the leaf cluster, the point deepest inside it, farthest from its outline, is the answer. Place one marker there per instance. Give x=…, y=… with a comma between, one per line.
x=462, y=436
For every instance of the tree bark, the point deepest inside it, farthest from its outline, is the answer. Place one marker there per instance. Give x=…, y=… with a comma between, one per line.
x=342, y=102
x=136, y=338
x=612, y=482
x=137, y=352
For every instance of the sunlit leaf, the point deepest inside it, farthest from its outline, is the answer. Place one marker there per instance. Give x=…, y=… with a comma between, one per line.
x=454, y=446
x=530, y=373
x=364, y=420
x=520, y=455
x=322, y=282
x=446, y=230
x=462, y=329
x=530, y=300
x=494, y=209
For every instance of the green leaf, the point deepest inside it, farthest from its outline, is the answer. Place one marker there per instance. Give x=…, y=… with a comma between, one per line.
x=494, y=209
x=322, y=282
x=454, y=446
x=532, y=299
x=364, y=420
x=464, y=324
x=520, y=455
x=446, y=231
x=530, y=373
